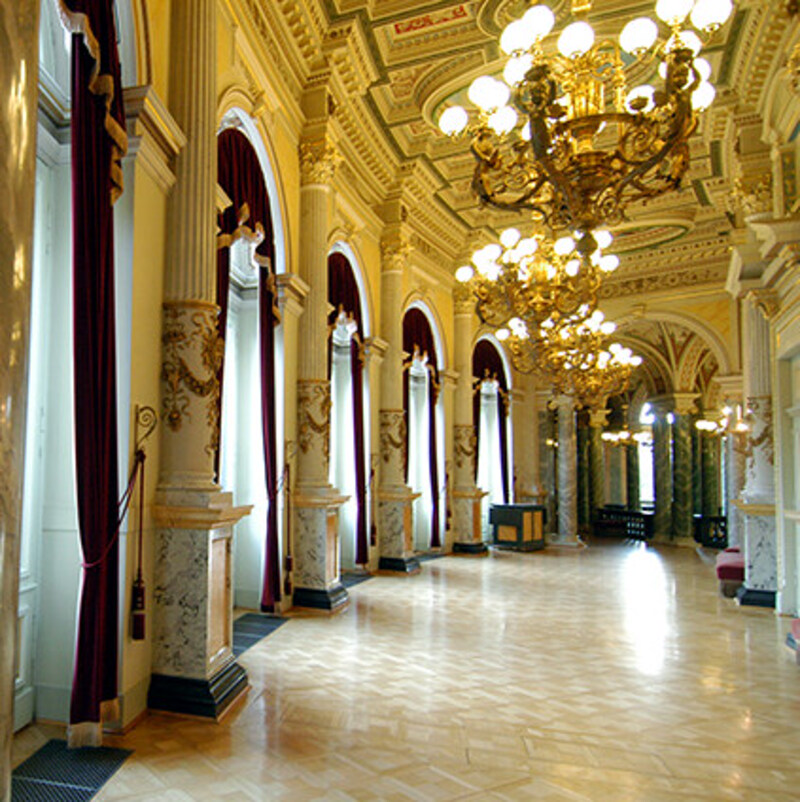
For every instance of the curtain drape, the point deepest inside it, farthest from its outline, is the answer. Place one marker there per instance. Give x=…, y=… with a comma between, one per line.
x=343, y=294
x=98, y=142
x=240, y=176
x=417, y=332
x=486, y=361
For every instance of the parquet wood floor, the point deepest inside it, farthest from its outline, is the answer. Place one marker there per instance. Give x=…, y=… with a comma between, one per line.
x=617, y=672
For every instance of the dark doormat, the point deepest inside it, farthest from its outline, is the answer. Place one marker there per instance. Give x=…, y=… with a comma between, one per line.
x=250, y=628
x=56, y=773
x=349, y=579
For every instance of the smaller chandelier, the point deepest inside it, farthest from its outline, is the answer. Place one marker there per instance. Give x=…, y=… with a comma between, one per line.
x=730, y=421
x=576, y=358
x=534, y=279
x=575, y=146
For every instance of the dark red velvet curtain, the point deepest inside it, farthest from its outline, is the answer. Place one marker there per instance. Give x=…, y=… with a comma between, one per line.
x=343, y=293
x=98, y=142
x=240, y=176
x=417, y=332
x=485, y=358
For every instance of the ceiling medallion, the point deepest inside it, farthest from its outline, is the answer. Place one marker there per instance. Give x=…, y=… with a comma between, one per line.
x=576, y=146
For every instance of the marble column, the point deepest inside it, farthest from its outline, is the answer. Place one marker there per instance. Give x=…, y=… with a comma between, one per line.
x=526, y=441
x=710, y=452
x=734, y=445
x=682, y=502
x=193, y=666
x=598, y=417
x=697, y=471
x=567, y=473
x=546, y=432
x=632, y=475
x=617, y=480
x=315, y=502
x=584, y=476
x=662, y=471
x=18, y=45
x=395, y=498
x=466, y=495
x=758, y=494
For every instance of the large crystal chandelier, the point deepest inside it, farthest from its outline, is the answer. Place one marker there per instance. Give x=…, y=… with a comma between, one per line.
x=576, y=145
x=577, y=358
x=537, y=280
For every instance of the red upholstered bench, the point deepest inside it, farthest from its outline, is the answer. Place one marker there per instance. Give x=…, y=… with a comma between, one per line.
x=730, y=571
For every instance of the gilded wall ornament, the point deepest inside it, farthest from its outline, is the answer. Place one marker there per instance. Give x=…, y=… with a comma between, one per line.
x=760, y=434
x=395, y=252
x=314, y=414
x=190, y=334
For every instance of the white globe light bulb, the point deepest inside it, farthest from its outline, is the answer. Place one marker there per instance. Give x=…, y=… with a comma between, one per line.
x=564, y=246
x=515, y=69
x=525, y=133
x=515, y=38
x=502, y=334
x=576, y=39
x=607, y=327
x=488, y=94
x=492, y=251
x=572, y=268
x=453, y=120
x=688, y=39
x=603, y=238
x=609, y=263
x=527, y=246
x=464, y=273
x=708, y=15
x=703, y=96
x=510, y=237
x=539, y=21
x=638, y=35
x=636, y=360
x=673, y=12
x=503, y=120
x=703, y=67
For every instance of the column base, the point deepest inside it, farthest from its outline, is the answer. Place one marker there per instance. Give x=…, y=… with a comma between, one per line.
x=400, y=565
x=198, y=697
x=472, y=547
x=332, y=599
x=748, y=597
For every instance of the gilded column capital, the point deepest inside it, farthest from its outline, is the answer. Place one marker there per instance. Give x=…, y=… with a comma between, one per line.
x=394, y=252
x=598, y=417
x=765, y=301
x=319, y=160
x=463, y=298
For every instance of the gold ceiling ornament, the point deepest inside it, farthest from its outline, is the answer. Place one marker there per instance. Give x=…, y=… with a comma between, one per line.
x=563, y=137
x=577, y=358
x=535, y=279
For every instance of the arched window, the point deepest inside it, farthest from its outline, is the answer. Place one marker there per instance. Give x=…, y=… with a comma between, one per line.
x=421, y=386
x=246, y=253
x=348, y=467
x=490, y=418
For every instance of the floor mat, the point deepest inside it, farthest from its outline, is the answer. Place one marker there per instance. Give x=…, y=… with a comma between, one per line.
x=56, y=773
x=348, y=579
x=250, y=628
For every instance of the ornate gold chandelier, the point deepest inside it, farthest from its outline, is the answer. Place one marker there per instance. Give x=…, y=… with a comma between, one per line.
x=535, y=279
x=575, y=146
x=577, y=358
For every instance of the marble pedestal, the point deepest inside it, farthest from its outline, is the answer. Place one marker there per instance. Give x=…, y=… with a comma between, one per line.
x=317, y=582
x=467, y=522
x=396, y=530
x=194, y=670
x=760, y=555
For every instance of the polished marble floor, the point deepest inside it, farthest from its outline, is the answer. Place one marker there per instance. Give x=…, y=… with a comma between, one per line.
x=617, y=672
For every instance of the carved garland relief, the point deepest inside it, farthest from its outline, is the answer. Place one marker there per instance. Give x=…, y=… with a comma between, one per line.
x=464, y=443
x=393, y=433
x=314, y=414
x=760, y=436
x=189, y=333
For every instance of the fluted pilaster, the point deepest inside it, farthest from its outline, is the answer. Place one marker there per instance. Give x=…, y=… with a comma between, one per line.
x=466, y=495
x=191, y=211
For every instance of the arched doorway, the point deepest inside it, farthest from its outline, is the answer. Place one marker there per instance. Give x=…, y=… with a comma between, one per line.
x=490, y=415
x=248, y=459
x=423, y=409
x=348, y=458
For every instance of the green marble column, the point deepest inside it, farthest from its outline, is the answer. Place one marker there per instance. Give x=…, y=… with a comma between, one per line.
x=710, y=452
x=697, y=471
x=584, y=490
x=632, y=460
x=662, y=470
x=597, y=472
x=681, y=476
